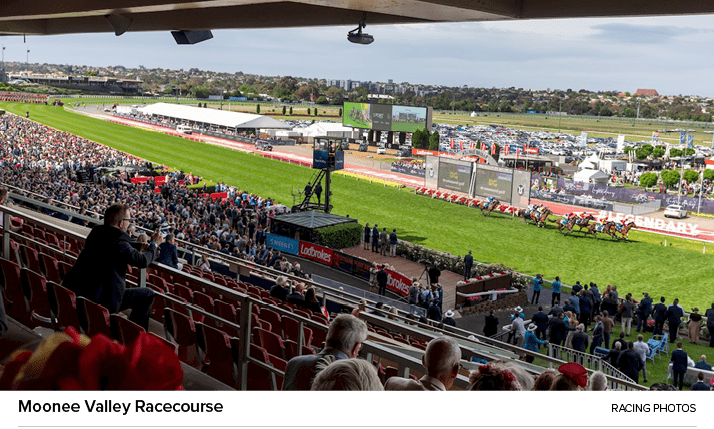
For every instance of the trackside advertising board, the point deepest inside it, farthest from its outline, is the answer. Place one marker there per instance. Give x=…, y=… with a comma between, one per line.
x=455, y=175
x=398, y=283
x=316, y=253
x=284, y=244
x=494, y=182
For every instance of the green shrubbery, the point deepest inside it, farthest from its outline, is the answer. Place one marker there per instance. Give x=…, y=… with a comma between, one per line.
x=339, y=236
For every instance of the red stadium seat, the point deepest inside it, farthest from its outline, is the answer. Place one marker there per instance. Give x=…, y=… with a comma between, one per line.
x=259, y=378
x=271, y=342
x=183, y=331
x=50, y=268
x=125, y=331
x=15, y=304
x=274, y=319
x=39, y=301
x=65, y=307
x=97, y=318
x=218, y=354
x=291, y=330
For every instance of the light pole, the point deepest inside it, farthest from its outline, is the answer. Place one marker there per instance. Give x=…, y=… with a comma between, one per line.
x=560, y=114
x=27, y=63
x=3, y=57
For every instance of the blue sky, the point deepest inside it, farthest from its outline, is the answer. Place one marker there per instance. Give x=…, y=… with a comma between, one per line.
x=665, y=53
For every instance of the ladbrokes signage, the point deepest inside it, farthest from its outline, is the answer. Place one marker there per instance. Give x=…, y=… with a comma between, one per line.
x=316, y=253
x=398, y=283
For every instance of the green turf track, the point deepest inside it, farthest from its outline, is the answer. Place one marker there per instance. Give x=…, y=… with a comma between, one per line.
x=644, y=265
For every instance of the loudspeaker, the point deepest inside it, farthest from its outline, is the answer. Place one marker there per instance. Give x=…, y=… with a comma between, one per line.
x=191, y=37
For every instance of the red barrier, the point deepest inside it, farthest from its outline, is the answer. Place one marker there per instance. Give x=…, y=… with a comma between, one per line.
x=398, y=283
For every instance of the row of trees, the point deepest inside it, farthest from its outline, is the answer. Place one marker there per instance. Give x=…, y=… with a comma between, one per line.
x=671, y=177
x=423, y=139
x=658, y=151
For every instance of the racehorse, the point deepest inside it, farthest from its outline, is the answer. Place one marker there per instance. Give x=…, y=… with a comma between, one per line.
x=530, y=209
x=540, y=216
x=564, y=223
x=607, y=227
x=488, y=205
x=583, y=222
x=625, y=228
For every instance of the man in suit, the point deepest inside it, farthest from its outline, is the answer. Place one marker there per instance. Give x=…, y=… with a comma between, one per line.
x=629, y=362
x=710, y=324
x=700, y=384
x=344, y=341
x=702, y=364
x=99, y=274
x=679, y=365
x=296, y=297
x=468, y=264
x=383, y=240
x=491, y=327
x=279, y=290
x=441, y=361
x=598, y=334
x=658, y=313
x=674, y=318
x=375, y=238
x=168, y=255
x=557, y=330
x=541, y=321
x=382, y=278
x=644, y=308
x=614, y=354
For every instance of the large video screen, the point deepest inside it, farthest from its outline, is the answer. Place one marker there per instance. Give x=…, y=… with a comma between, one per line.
x=493, y=182
x=358, y=115
x=409, y=119
x=454, y=175
x=385, y=117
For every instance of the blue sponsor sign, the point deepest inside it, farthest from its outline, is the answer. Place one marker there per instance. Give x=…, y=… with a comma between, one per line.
x=339, y=160
x=319, y=159
x=284, y=244
x=690, y=141
x=682, y=137
x=238, y=98
x=514, y=147
x=532, y=111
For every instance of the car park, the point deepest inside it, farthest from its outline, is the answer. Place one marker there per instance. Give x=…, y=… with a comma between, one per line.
x=675, y=210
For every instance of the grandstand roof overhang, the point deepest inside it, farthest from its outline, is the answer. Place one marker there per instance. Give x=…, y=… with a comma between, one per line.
x=84, y=16
x=233, y=120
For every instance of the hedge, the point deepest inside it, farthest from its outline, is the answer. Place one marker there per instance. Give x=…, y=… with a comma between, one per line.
x=339, y=236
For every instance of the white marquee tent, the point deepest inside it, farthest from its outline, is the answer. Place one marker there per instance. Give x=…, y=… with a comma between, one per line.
x=212, y=117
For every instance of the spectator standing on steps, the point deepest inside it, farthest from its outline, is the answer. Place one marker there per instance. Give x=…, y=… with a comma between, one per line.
x=537, y=286
x=318, y=191
x=382, y=278
x=469, y=263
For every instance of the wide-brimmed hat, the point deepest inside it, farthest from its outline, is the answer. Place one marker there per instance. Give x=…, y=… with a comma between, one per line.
x=695, y=309
x=575, y=372
x=449, y=314
x=540, y=276
x=519, y=309
x=532, y=327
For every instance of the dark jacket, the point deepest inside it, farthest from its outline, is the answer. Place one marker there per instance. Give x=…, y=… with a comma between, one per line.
x=679, y=361
x=382, y=277
x=659, y=311
x=168, y=255
x=491, y=326
x=629, y=363
x=100, y=271
x=279, y=292
x=674, y=315
x=580, y=341
x=558, y=330
x=295, y=298
x=541, y=320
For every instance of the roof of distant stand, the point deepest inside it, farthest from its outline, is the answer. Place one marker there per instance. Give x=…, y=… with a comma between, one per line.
x=221, y=118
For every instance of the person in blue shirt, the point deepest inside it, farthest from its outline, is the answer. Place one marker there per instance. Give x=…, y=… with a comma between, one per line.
x=393, y=243
x=537, y=286
x=575, y=302
x=556, y=291
x=532, y=342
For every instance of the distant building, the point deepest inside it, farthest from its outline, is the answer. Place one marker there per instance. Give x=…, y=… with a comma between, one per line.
x=647, y=92
x=107, y=85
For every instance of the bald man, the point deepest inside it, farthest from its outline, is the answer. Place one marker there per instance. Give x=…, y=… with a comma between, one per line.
x=441, y=361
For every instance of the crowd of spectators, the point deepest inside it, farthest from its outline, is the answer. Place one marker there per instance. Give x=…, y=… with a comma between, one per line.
x=45, y=164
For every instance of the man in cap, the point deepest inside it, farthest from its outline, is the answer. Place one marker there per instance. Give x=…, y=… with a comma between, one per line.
x=441, y=360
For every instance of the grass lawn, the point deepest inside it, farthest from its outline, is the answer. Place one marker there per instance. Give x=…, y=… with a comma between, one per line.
x=680, y=270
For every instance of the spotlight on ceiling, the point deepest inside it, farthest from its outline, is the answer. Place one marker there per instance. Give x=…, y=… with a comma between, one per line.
x=357, y=36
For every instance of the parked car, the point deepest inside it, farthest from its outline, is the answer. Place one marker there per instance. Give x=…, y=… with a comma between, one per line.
x=263, y=145
x=363, y=147
x=381, y=150
x=675, y=210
